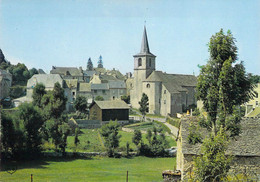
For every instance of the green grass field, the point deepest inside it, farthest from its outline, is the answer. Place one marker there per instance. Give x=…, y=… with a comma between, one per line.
x=95, y=169
x=91, y=141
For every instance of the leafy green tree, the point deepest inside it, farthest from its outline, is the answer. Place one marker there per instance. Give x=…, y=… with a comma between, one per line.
x=33, y=71
x=126, y=98
x=81, y=104
x=54, y=102
x=99, y=98
x=144, y=105
x=149, y=136
x=76, y=139
x=31, y=122
x=38, y=92
x=137, y=137
x=255, y=79
x=213, y=165
x=64, y=131
x=222, y=83
x=110, y=132
x=8, y=138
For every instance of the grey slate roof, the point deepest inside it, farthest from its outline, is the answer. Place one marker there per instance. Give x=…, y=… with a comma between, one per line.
x=246, y=144
x=71, y=83
x=173, y=82
x=85, y=87
x=89, y=73
x=117, y=84
x=113, y=104
x=100, y=86
x=47, y=79
x=144, y=46
x=64, y=70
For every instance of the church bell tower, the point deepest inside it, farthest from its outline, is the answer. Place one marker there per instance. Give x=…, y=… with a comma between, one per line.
x=144, y=65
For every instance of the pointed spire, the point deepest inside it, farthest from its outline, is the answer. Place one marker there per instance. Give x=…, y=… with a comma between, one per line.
x=145, y=45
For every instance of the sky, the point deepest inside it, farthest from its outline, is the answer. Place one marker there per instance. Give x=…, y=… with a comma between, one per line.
x=46, y=33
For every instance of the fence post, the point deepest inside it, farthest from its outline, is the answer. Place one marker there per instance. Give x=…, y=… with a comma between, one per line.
x=31, y=177
x=126, y=176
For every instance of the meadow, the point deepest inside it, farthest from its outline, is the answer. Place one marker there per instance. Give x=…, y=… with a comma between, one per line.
x=92, y=169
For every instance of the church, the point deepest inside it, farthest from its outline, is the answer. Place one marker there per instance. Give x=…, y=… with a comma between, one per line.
x=168, y=94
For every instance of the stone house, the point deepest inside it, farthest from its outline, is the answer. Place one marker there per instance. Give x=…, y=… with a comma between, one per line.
x=245, y=148
x=5, y=83
x=105, y=111
x=168, y=94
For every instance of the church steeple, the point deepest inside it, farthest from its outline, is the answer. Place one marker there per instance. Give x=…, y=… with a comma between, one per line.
x=145, y=45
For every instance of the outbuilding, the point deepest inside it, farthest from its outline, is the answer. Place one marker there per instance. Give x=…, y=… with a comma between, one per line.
x=109, y=110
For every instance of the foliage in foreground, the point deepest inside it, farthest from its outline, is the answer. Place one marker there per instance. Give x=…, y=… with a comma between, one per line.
x=213, y=164
x=110, y=133
x=144, y=105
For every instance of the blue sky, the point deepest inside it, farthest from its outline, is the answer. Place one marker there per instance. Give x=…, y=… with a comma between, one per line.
x=46, y=33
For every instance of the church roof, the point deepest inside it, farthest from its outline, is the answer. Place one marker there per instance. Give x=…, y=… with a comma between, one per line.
x=144, y=46
x=174, y=83
x=246, y=144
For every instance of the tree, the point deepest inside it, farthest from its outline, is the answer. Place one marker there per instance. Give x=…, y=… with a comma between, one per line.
x=126, y=98
x=213, y=165
x=89, y=65
x=54, y=102
x=76, y=139
x=144, y=105
x=33, y=71
x=81, y=104
x=223, y=83
x=137, y=137
x=99, y=98
x=31, y=122
x=38, y=92
x=110, y=133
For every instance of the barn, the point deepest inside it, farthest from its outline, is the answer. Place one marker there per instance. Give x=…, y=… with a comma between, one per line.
x=105, y=111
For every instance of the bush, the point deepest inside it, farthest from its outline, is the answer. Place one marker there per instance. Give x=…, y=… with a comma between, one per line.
x=174, y=122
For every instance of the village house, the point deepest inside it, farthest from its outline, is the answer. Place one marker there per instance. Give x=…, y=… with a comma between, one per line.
x=5, y=83
x=105, y=111
x=168, y=94
x=245, y=148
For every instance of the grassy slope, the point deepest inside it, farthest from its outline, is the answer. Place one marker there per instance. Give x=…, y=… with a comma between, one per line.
x=96, y=169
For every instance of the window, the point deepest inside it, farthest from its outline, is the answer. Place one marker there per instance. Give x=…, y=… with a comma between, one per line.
x=150, y=62
x=103, y=91
x=256, y=95
x=164, y=91
x=113, y=97
x=95, y=91
x=140, y=62
x=256, y=103
x=73, y=93
x=148, y=85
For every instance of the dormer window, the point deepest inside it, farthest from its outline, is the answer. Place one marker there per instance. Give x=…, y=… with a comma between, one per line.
x=140, y=62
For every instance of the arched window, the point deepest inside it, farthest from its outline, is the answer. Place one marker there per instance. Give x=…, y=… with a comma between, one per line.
x=148, y=85
x=140, y=62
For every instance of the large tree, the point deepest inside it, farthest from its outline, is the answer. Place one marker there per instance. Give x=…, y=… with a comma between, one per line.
x=144, y=105
x=223, y=84
x=110, y=132
x=81, y=104
x=38, y=92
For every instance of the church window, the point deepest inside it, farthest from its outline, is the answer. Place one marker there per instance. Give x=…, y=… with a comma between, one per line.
x=150, y=62
x=140, y=62
x=148, y=85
